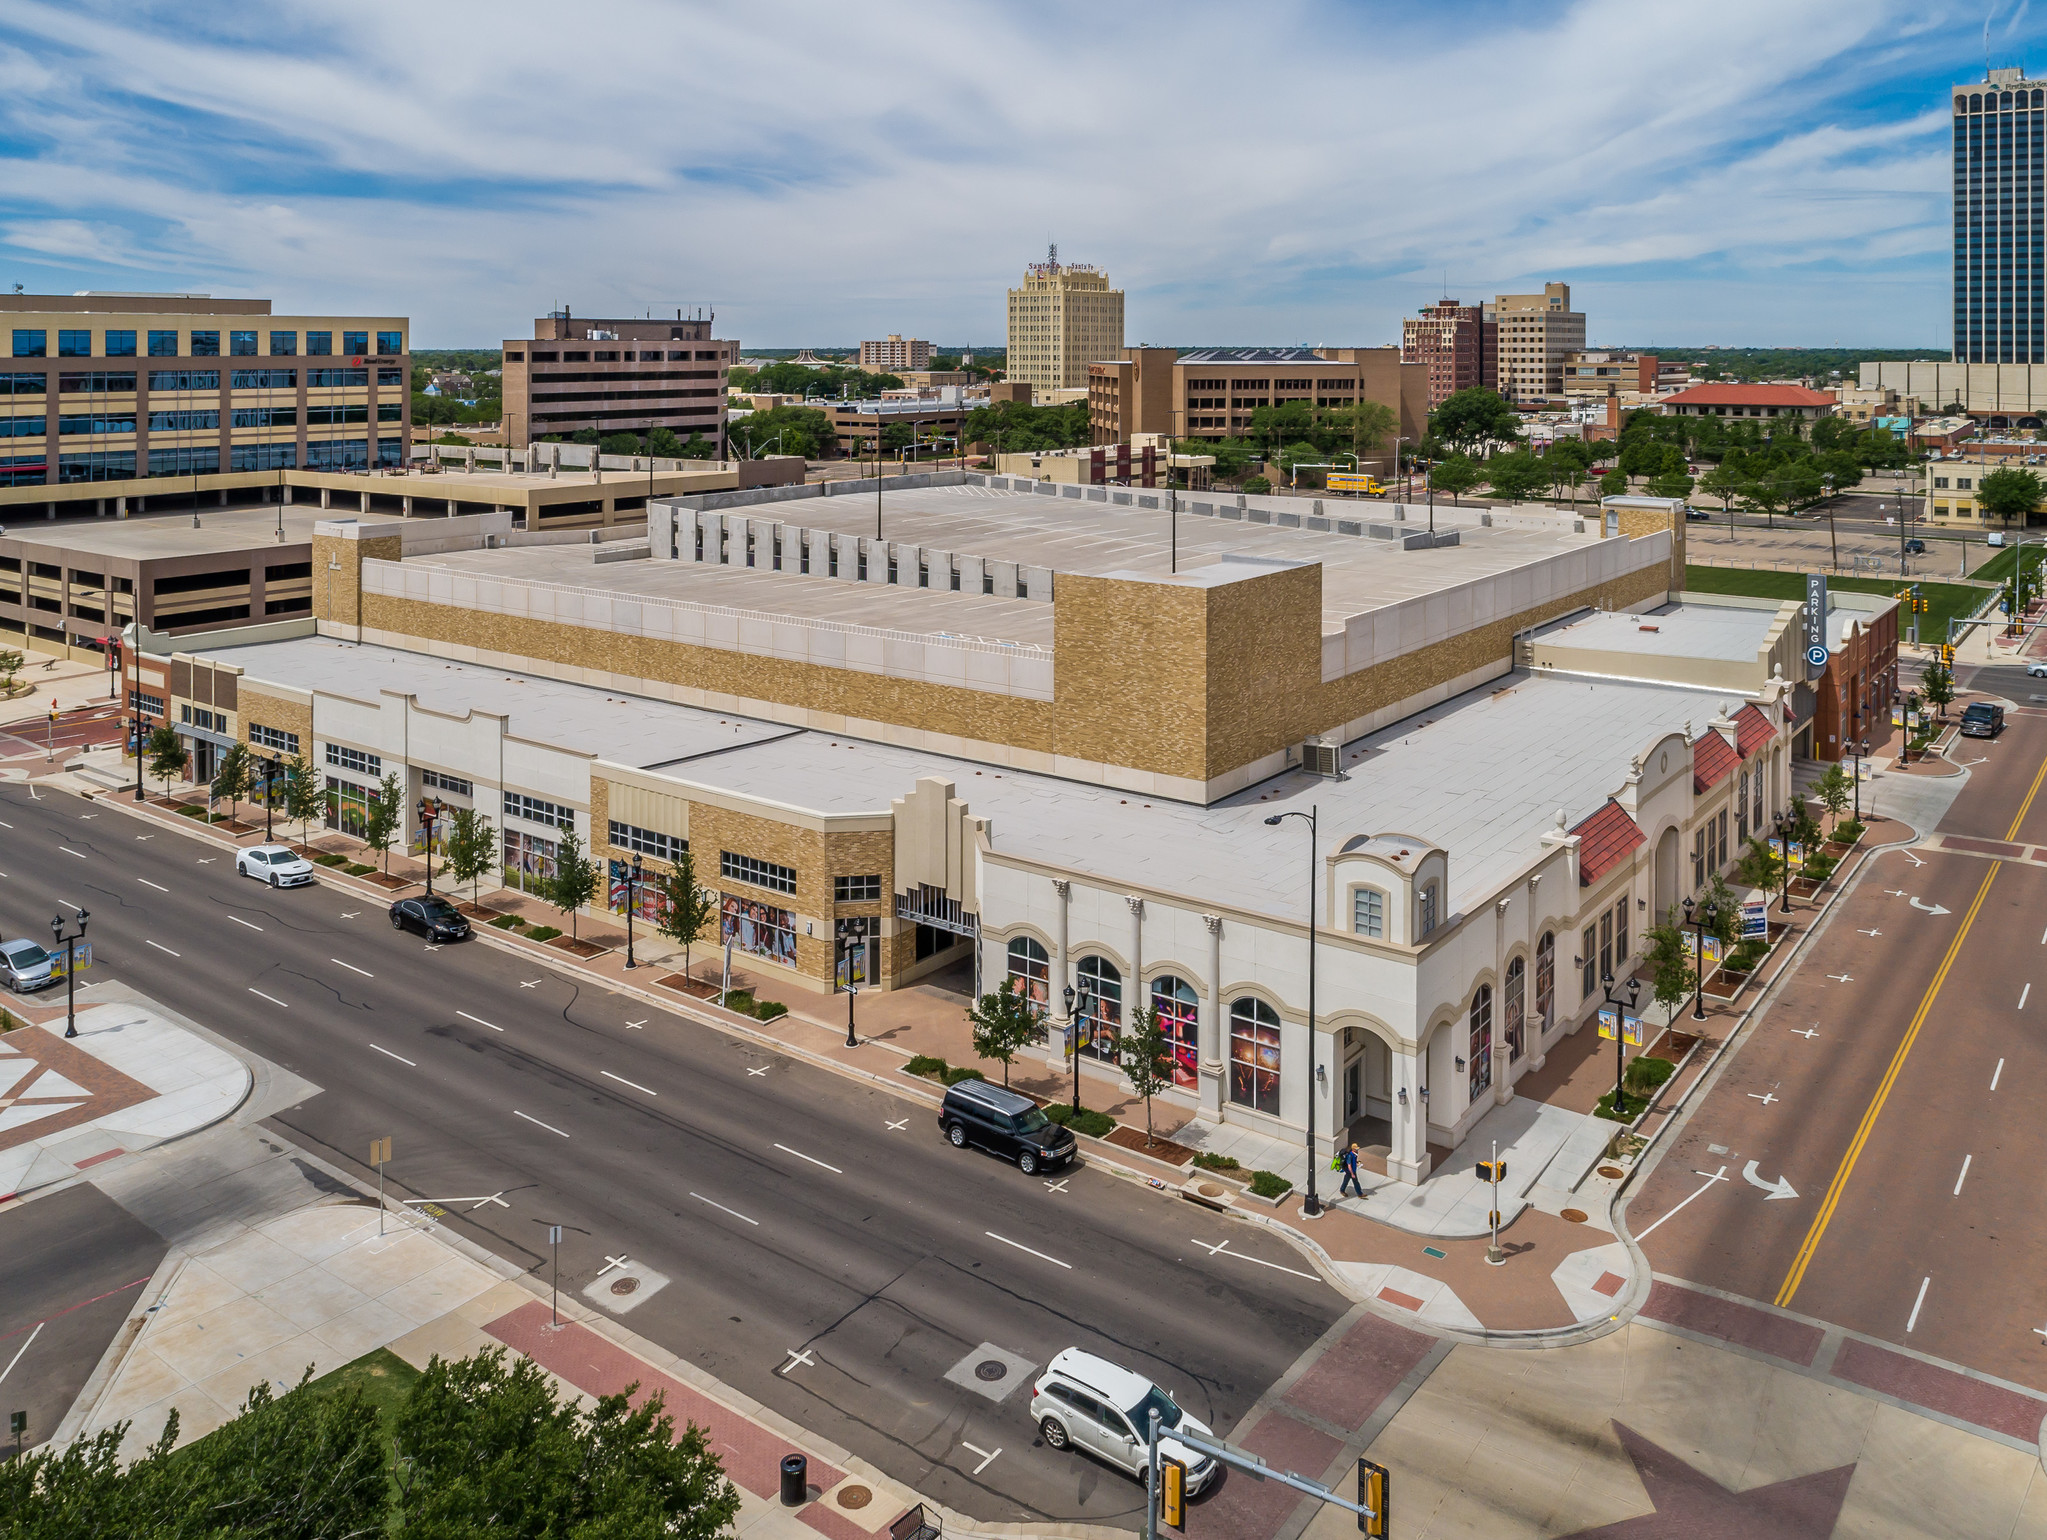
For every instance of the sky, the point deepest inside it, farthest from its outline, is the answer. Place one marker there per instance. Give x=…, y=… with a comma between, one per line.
x=1753, y=172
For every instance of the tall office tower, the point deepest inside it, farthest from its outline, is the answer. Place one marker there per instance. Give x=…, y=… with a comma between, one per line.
x=1532, y=333
x=1998, y=233
x=1455, y=341
x=1064, y=318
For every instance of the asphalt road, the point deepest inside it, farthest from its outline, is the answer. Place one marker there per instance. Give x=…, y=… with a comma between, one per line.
x=1892, y=1083
x=795, y=1212
x=71, y=1268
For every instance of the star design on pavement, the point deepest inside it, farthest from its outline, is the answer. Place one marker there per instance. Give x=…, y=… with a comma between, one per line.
x=1691, y=1505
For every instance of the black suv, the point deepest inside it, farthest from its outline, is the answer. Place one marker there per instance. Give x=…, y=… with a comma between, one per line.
x=975, y=1112
x=1983, y=719
x=435, y=918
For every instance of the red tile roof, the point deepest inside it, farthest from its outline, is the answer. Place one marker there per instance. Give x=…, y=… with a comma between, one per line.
x=1752, y=730
x=1713, y=760
x=1606, y=839
x=1750, y=395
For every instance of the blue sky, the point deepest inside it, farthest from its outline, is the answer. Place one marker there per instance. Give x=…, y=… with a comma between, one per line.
x=1750, y=172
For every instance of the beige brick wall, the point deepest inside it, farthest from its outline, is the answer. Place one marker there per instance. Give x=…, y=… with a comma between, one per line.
x=1265, y=685
x=337, y=573
x=1129, y=667
x=275, y=711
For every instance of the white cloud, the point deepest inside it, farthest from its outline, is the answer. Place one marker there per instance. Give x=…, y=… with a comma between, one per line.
x=1293, y=172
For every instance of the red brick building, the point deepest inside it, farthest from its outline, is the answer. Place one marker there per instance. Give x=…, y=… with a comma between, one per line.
x=1456, y=342
x=1852, y=699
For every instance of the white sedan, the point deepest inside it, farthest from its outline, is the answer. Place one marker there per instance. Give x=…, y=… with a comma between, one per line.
x=278, y=865
x=2037, y=669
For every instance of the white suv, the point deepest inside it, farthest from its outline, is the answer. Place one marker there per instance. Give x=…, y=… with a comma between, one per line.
x=1085, y=1402
x=278, y=865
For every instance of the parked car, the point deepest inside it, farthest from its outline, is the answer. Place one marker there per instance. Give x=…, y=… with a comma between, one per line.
x=434, y=918
x=1700, y=515
x=1982, y=719
x=278, y=865
x=1915, y=547
x=25, y=965
x=1085, y=1402
x=1011, y=1125
x=2037, y=669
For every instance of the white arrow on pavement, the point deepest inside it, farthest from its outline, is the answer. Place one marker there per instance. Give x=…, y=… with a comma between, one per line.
x=1912, y=858
x=1930, y=908
x=1777, y=1189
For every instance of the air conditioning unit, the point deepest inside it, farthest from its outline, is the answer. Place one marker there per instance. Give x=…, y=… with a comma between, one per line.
x=1319, y=756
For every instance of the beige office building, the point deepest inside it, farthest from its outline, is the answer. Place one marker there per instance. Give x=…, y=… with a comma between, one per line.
x=1533, y=333
x=1063, y=318
x=895, y=354
x=124, y=387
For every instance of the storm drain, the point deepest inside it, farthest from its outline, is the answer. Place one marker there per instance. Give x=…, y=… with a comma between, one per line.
x=991, y=1371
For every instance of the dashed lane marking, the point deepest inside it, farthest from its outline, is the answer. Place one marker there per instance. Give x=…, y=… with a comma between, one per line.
x=623, y=1081
x=148, y=884
x=160, y=947
x=1020, y=1246
x=271, y=998
x=240, y=921
x=811, y=1158
x=1997, y=1074
x=537, y=1123
x=480, y=1021
x=1964, y=1176
x=351, y=967
x=1913, y=1319
x=721, y=1208
x=387, y=1053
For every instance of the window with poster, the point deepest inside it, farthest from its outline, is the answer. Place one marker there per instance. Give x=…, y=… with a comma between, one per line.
x=761, y=929
x=857, y=942
x=1178, y=1011
x=1254, y=1055
x=645, y=896
x=528, y=861
x=1099, y=1007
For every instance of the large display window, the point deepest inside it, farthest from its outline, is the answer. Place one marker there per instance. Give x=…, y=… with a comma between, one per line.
x=761, y=929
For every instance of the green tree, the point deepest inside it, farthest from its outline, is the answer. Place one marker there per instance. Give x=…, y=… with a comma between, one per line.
x=1614, y=483
x=1003, y=1021
x=1723, y=482
x=385, y=816
x=470, y=850
x=486, y=1449
x=10, y=666
x=1515, y=476
x=1257, y=486
x=574, y=882
x=232, y=778
x=1937, y=684
x=685, y=907
x=166, y=751
x=305, y=798
x=1760, y=865
x=2010, y=493
x=1470, y=419
x=1670, y=966
x=804, y=431
x=1834, y=790
x=1456, y=475
x=1670, y=484
x=1147, y=1056
x=1723, y=912
x=1765, y=494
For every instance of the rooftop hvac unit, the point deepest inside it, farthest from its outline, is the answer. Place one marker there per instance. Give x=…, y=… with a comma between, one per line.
x=1319, y=756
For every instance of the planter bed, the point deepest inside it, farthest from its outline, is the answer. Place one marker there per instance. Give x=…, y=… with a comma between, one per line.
x=577, y=948
x=1160, y=1148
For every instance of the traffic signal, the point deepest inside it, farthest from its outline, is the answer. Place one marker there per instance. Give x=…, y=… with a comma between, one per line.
x=1172, y=1493
x=1492, y=1171
x=1375, y=1491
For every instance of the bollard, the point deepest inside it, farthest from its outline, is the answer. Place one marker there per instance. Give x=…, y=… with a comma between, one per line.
x=795, y=1481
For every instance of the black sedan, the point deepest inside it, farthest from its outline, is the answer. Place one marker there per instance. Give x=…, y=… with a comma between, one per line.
x=434, y=918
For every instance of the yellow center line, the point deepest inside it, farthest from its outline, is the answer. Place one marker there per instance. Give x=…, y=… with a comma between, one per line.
x=2024, y=807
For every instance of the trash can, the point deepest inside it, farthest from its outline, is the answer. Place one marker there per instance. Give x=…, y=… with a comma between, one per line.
x=795, y=1480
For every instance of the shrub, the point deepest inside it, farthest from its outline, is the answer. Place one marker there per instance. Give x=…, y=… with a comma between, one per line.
x=329, y=858
x=507, y=922
x=1096, y=1125
x=1269, y=1185
x=189, y=811
x=1605, y=1109
x=1649, y=1072
x=924, y=1064
x=1208, y=1162
x=1819, y=868
x=768, y=1010
x=542, y=932
x=1257, y=486
x=357, y=869
x=1848, y=833
x=959, y=1072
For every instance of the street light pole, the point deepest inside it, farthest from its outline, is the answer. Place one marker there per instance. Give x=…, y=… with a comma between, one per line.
x=1633, y=992
x=852, y=989
x=1706, y=911
x=632, y=900
x=1311, y=1205
x=1073, y=1035
x=70, y=945
x=1784, y=823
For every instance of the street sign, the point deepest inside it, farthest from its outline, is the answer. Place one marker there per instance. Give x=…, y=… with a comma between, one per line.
x=554, y=1235
x=1816, y=611
x=1755, y=919
x=380, y=1151
x=1816, y=656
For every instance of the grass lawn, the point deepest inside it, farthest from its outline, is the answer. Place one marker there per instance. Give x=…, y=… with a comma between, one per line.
x=1999, y=568
x=1944, y=600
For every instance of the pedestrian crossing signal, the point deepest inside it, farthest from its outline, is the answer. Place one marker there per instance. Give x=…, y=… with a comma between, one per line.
x=1375, y=1492
x=1172, y=1493
x=1492, y=1171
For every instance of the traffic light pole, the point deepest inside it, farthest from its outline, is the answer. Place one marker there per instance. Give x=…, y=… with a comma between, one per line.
x=1371, y=1478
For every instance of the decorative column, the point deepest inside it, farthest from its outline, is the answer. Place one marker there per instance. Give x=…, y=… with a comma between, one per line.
x=1408, y=1159
x=1062, y=975
x=1209, y=1024
x=1133, y=987
x=1503, y=1056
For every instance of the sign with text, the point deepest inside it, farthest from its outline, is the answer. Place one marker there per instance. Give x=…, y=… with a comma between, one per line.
x=1351, y=481
x=1815, y=610
x=1755, y=919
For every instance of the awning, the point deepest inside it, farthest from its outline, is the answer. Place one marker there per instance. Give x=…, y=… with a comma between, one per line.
x=204, y=735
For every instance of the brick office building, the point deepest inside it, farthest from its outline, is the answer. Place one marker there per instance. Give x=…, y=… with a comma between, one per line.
x=615, y=377
x=1454, y=341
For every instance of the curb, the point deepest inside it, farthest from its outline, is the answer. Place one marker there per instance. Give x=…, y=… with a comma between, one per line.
x=95, y=1389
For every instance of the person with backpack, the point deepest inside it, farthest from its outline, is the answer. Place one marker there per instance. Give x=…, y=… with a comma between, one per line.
x=1349, y=1161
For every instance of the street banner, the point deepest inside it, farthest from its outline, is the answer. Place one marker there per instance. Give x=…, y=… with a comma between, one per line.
x=1755, y=919
x=1606, y=1024
x=1713, y=948
x=81, y=954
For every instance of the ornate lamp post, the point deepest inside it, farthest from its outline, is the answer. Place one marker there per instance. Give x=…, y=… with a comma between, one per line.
x=1705, y=916
x=1073, y=1034
x=632, y=900
x=1785, y=824
x=1622, y=1004
x=70, y=945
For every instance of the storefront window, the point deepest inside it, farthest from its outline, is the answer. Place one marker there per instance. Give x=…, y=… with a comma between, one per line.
x=529, y=861
x=646, y=897
x=859, y=943
x=1546, y=980
x=1099, y=1007
x=1254, y=1055
x=348, y=807
x=1517, y=996
x=1480, y=1063
x=762, y=929
x=1030, y=972
x=1178, y=1010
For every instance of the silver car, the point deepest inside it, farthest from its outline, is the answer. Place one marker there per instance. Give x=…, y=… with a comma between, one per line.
x=26, y=965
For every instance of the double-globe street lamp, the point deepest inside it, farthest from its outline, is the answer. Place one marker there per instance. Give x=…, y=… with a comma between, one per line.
x=632, y=901
x=1707, y=914
x=1073, y=1033
x=1621, y=1003
x=1786, y=825
x=429, y=811
x=1311, y=1205
x=70, y=945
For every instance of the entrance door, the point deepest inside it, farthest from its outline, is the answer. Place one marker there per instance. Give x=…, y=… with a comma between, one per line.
x=1667, y=875
x=1354, y=1091
x=205, y=761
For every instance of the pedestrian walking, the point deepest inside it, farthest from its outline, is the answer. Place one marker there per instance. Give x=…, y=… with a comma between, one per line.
x=1349, y=1161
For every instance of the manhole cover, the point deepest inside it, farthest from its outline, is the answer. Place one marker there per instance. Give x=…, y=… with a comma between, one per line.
x=1209, y=1190
x=1575, y=1215
x=1611, y=1171
x=990, y=1369
x=854, y=1497
x=624, y=1285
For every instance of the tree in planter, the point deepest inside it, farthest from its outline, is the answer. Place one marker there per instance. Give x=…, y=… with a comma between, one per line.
x=685, y=908
x=1834, y=790
x=1726, y=922
x=305, y=799
x=1147, y=1059
x=386, y=813
x=232, y=779
x=1003, y=1021
x=574, y=882
x=10, y=665
x=1760, y=864
x=1937, y=683
x=166, y=751
x=1670, y=966
x=470, y=850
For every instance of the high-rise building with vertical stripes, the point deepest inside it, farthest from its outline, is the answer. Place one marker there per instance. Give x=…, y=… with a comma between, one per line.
x=2000, y=317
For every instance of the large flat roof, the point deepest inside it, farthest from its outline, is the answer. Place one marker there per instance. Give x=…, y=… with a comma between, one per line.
x=154, y=536
x=1483, y=775
x=1722, y=633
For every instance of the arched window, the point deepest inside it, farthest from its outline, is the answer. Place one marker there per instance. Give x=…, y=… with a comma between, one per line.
x=1030, y=972
x=1975, y=101
x=2037, y=98
x=1178, y=1008
x=1481, y=1064
x=1515, y=1007
x=1254, y=1055
x=1099, y=1006
x=1546, y=980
